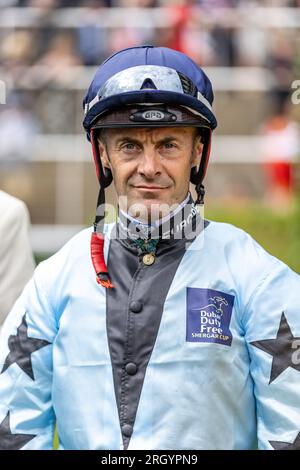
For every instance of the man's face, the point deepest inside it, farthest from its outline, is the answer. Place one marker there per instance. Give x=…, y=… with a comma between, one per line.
x=150, y=166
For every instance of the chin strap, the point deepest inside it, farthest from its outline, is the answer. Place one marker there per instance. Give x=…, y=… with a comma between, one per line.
x=197, y=176
x=200, y=194
x=98, y=237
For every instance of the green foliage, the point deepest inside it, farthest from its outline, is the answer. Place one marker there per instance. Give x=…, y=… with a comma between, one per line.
x=55, y=439
x=39, y=257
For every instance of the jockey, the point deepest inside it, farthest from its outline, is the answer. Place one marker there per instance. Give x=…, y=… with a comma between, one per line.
x=161, y=330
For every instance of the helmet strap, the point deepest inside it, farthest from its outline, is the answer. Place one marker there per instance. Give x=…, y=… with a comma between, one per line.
x=97, y=238
x=197, y=175
x=104, y=175
x=200, y=194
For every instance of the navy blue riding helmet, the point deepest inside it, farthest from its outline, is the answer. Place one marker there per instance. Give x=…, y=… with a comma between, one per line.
x=193, y=88
x=147, y=86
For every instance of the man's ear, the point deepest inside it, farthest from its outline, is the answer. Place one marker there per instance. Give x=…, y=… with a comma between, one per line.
x=103, y=154
x=197, y=151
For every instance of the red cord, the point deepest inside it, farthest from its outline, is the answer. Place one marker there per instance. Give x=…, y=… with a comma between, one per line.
x=97, y=255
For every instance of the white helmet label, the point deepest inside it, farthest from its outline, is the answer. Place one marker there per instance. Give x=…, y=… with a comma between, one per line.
x=153, y=115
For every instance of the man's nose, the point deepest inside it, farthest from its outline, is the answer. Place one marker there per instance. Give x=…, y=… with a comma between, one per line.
x=149, y=164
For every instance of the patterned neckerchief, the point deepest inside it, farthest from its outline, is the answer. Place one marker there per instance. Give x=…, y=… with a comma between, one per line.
x=146, y=246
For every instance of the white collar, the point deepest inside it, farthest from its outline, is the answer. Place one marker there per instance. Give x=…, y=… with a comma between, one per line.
x=159, y=222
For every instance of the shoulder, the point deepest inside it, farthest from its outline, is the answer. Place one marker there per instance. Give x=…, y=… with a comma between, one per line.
x=74, y=253
x=228, y=231
x=224, y=234
x=248, y=263
x=69, y=269
x=239, y=250
x=242, y=264
x=14, y=224
x=11, y=207
x=227, y=234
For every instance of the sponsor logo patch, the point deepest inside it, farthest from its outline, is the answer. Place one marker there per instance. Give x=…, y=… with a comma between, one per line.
x=208, y=316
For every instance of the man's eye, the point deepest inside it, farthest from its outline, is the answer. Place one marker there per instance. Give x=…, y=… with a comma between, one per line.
x=169, y=145
x=129, y=146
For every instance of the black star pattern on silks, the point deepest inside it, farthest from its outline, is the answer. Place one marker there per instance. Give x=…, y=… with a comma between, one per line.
x=21, y=346
x=282, y=348
x=9, y=441
x=279, y=445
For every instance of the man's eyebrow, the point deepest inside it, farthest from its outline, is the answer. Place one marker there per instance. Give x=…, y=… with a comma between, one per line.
x=163, y=140
x=127, y=139
x=167, y=139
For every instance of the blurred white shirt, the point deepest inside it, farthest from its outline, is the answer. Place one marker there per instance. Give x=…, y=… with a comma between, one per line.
x=281, y=145
x=16, y=259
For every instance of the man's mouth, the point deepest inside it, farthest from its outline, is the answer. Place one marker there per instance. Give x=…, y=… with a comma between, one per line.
x=150, y=188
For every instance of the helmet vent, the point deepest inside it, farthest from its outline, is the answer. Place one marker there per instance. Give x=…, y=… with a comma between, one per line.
x=187, y=85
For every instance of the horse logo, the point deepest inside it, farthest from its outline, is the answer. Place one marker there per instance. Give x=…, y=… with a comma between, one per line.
x=215, y=305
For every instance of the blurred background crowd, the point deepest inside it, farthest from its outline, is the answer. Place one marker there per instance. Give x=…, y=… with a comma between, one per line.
x=250, y=50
